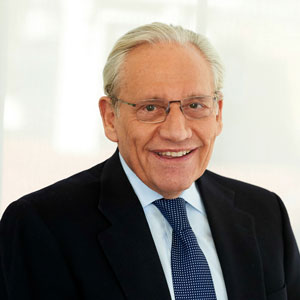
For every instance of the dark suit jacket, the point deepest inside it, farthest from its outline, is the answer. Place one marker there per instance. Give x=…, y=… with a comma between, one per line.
x=86, y=237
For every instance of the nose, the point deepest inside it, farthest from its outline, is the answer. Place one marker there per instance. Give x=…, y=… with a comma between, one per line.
x=175, y=128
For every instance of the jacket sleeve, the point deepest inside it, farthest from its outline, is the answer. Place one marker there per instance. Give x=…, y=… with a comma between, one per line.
x=32, y=265
x=291, y=257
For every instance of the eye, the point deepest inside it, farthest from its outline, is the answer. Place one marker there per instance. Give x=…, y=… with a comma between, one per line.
x=150, y=107
x=196, y=105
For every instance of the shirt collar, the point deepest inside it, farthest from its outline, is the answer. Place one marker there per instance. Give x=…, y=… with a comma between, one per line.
x=147, y=195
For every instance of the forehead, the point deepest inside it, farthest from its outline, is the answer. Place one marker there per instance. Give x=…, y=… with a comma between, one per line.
x=165, y=70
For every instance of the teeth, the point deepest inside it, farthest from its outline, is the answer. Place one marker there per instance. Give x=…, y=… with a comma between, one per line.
x=174, y=154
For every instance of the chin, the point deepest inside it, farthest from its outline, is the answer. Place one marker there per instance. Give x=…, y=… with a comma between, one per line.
x=174, y=189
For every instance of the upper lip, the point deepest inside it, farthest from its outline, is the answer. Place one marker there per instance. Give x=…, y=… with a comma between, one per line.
x=173, y=150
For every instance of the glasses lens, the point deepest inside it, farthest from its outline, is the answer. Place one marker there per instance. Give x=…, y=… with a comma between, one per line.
x=151, y=112
x=197, y=107
x=155, y=111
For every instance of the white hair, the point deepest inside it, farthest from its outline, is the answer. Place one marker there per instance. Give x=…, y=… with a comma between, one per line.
x=158, y=33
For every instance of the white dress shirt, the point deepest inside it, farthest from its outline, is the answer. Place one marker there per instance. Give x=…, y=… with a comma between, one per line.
x=162, y=231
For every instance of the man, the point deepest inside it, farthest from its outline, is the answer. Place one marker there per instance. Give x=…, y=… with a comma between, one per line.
x=151, y=222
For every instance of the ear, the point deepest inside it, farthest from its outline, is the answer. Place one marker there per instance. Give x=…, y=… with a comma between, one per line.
x=108, y=115
x=219, y=116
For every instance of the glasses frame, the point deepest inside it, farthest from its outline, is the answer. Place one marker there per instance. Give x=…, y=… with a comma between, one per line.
x=216, y=98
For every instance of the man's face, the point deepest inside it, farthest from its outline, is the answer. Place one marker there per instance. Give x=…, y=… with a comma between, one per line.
x=171, y=72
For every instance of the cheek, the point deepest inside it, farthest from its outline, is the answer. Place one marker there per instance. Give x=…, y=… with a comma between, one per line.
x=124, y=127
x=207, y=133
x=123, y=134
x=132, y=137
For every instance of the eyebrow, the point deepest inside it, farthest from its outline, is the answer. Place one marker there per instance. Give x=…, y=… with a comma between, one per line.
x=187, y=96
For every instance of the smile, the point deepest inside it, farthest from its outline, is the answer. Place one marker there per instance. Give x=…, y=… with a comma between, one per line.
x=174, y=154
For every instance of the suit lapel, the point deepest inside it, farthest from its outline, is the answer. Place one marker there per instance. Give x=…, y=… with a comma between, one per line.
x=128, y=243
x=234, y=236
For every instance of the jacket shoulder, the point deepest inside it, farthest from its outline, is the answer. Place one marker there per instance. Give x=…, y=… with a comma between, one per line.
x=236, y=185
x=248, y=197
x=75, y=193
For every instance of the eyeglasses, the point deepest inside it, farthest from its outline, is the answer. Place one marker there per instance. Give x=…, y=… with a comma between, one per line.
x=156, y=110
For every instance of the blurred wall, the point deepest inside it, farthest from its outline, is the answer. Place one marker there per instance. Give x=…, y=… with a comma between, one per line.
x=56, y=50
x=3, y=73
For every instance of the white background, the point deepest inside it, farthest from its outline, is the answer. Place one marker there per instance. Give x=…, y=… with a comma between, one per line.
x=52, y=54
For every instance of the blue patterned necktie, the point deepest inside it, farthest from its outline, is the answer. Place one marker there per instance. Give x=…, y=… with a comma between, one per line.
x=190, y=271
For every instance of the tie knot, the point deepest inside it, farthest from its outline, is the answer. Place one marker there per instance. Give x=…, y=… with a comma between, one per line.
x=174, y=211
